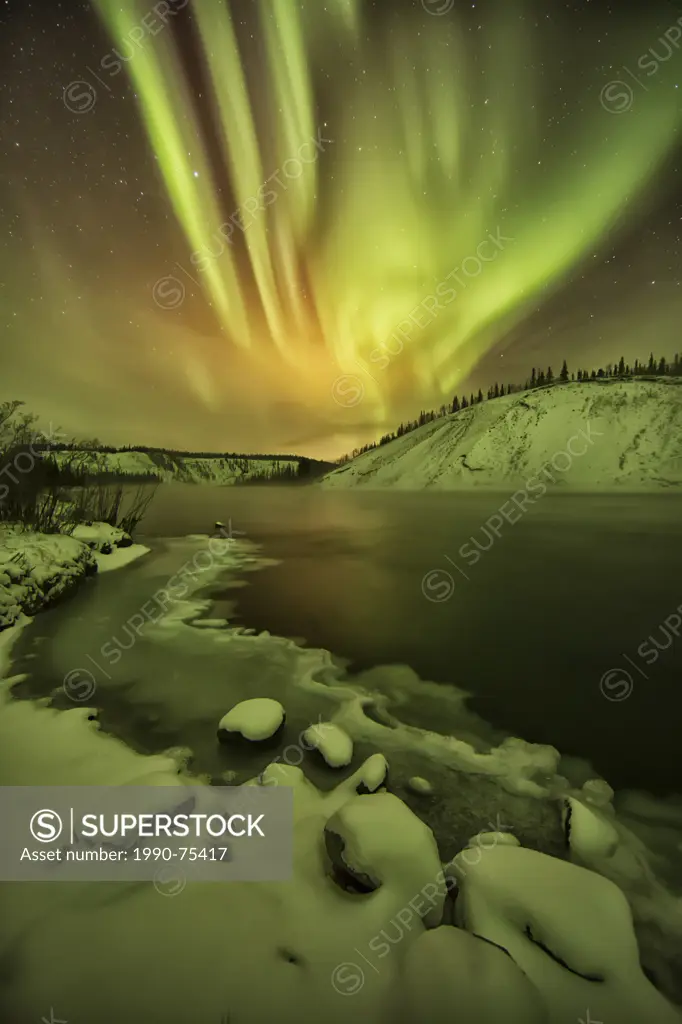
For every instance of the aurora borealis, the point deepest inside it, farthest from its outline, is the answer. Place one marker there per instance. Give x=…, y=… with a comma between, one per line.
x=284, y=182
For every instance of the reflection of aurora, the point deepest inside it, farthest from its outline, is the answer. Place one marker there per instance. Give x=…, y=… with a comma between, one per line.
x=437, y=142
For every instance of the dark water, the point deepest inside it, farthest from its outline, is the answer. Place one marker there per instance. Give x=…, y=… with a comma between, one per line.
x=563, y=596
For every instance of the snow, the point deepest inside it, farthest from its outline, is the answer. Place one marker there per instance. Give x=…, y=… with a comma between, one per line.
x=98, y=535
x=462, y=978
x=120, y=557
x=569, y=930
x=335, y=745
x=256, y=719
x=583, y=437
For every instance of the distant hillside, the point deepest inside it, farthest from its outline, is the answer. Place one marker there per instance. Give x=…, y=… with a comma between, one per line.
x=187, y=468
x=631, y=440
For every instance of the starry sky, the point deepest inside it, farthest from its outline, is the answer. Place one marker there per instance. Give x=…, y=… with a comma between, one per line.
x=285, y=225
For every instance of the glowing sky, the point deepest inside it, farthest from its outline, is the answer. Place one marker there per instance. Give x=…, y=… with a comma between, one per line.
x=463, y=164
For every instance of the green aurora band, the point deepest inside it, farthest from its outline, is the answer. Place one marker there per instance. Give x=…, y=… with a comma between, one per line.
x=438, y=142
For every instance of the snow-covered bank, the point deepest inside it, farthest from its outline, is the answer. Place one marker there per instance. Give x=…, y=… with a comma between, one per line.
x=37, y=569
x=308, y=948
x=260, y=952
x=580, y=436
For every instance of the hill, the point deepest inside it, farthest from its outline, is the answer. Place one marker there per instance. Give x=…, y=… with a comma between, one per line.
x=586, y=436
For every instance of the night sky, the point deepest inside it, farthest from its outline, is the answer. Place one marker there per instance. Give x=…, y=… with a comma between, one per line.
x=217, y=217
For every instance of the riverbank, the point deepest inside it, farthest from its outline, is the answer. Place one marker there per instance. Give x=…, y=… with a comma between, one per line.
x=37, y=569
x=410, y=950
x=294, y=948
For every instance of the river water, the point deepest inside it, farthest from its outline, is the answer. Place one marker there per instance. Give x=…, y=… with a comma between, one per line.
x=557, y=630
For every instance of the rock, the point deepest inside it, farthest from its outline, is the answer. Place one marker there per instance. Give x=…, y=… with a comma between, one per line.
x=256, y=720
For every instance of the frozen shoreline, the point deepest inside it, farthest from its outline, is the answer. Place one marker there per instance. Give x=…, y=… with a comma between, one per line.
x=240, y=933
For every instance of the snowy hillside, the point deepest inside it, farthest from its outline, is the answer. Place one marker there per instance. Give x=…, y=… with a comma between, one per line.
x=583, y=436
x=166, y=467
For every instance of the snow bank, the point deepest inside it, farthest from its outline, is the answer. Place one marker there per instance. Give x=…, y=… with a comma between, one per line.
x=256, y=719
x=37, y=569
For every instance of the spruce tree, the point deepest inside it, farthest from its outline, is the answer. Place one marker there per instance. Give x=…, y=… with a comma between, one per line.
x=563, y=376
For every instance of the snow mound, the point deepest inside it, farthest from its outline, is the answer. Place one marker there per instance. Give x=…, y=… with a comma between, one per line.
x=335, y=745
x=460, y=977
x=256, y=719
x=569, y=930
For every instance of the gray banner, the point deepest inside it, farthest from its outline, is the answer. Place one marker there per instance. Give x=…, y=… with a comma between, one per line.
x=164, y=834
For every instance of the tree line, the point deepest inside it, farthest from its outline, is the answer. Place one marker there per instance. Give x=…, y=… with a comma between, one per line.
x=539, y=378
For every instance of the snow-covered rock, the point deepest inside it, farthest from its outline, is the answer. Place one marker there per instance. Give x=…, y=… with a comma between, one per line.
x=569, y=930
x=377, y=840
x=583, y=436
x=256, y=719
x=488, y=839
x=374, y=774
x=419, y=785
x=591, y=836
x=335, y=745
x=460, y=977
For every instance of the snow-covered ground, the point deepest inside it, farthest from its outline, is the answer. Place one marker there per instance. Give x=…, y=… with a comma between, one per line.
x=37, y=569
x=583, y=437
